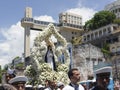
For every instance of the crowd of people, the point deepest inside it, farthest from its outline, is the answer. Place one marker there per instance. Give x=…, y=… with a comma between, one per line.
x=14, y=82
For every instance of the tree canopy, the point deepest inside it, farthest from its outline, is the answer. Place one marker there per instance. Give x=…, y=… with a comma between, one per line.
x=100, y=19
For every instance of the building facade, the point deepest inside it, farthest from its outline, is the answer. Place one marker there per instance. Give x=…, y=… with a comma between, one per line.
x=70, y=18
x=115, y=47
x=109, y=34
x=114, y=7
x=85, y=57
x=70, y=25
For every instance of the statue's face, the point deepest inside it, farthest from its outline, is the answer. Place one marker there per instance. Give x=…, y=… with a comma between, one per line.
x=50, y=48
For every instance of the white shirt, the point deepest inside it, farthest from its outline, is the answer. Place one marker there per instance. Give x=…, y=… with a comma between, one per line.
x=47, y=88
x=58, y=89
x=68, y=87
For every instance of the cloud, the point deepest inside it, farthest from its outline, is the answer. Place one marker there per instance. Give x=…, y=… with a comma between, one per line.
x=4, y=47
x=11, y=46
x=44, y=18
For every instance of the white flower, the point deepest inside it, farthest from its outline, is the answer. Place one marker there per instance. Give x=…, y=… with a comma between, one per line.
x=43, y=70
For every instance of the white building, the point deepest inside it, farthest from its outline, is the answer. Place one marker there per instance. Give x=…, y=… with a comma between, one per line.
x=114, y=7
x=70, y=18
x=70, y=25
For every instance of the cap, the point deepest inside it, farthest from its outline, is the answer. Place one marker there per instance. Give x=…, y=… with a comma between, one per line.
x=10, y=71
x=102, y=68
x=106, y=70
x=18, y=79
x=28, y=85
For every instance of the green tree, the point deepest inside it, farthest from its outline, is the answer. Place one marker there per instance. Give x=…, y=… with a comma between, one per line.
x=89, y=25
x=100, y=19
x=17, y=57
x=15, y=60
x=106, y=51
x=6, y=67
x=19, y=65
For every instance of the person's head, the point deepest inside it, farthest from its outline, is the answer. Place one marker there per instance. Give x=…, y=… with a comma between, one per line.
x=74, y=75
x=103, y=79
x=47, y=83
x=19, y=85
x=19, y=82
x=9, y=76
x=52, y=84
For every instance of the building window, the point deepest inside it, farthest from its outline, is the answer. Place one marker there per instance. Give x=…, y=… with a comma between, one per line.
x=100, y=33
x=109, y=30
x=99, y=60
x=84, y=38
x=115, y=10
x=104, y=31
x=114, y=28
x=118, y=48
x=115, y=39
x=88, y=37
x=92, y=36
x=96, y=34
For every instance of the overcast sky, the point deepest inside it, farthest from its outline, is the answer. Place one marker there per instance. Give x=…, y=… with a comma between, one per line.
x=12, y=11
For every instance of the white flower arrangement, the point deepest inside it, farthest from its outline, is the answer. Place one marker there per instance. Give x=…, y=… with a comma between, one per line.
x=43, y=70
x=63, y=68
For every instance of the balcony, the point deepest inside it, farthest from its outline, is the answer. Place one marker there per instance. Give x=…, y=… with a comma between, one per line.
x=32, y=21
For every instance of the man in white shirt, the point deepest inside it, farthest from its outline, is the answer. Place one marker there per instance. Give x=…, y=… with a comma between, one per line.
x=74, y=76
